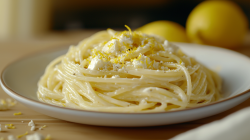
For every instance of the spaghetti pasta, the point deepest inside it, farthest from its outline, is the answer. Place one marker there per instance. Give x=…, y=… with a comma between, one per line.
x=127, y=72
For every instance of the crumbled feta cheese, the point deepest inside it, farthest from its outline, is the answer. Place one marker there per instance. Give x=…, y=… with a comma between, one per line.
x=116, y=67
x=112, y=47
x=123, y=49
x=31, y=123
x=35, y=136
x=142, y=62
x=97, y=63
x=33, y=128
x=125, y=40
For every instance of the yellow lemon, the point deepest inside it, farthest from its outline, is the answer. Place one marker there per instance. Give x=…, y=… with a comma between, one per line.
x=218, y=23
x=169, y=30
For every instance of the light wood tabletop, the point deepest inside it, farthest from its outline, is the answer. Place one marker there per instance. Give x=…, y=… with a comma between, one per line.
x=63, y=130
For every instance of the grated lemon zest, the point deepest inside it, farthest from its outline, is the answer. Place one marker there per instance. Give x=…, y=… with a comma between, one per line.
x=19, y=136
x=10, y=126
x=128, y=29
x=139, y=57
x=110, y=45
x=19, y=113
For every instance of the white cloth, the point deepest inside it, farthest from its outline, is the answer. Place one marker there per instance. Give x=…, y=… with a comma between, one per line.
x=233, y=127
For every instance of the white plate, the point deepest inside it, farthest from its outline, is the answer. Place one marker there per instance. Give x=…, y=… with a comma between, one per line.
x=20, y=78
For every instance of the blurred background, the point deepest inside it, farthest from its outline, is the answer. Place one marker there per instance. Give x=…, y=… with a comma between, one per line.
x=75, y=14
x=21, y=19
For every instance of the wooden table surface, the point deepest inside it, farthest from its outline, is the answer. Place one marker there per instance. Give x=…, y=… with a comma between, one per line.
x=63, y=130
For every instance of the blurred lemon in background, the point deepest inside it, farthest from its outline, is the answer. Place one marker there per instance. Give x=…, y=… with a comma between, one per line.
x=218, y=23
x=169, y=30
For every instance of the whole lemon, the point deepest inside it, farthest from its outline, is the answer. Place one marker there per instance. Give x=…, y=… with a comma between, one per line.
x=169, y=30
x=218, y=23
